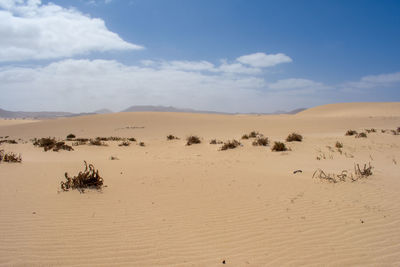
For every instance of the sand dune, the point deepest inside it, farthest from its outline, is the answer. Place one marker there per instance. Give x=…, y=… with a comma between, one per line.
x=167, y=204
x=366, y=109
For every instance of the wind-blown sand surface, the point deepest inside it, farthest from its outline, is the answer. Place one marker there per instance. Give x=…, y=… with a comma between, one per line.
x=167, y=204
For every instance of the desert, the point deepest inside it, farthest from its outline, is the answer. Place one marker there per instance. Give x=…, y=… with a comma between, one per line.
x=167, y=203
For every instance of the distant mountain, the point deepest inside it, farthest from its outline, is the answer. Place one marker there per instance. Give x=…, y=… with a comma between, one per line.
x=103, y=111
x=28, y=114
x=167, y=109
x=295, y=111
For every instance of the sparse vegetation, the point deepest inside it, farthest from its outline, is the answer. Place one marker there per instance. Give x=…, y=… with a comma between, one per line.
x=253, y=134
x=10, y=157
x=172, y=137
x=230, y=145
x=344, y=175
x=279, y=146
x=71, y=136
x=338, y=145
x=294, y=137
x=125, y=143
x=215, y=142
x=8, y=141
x=89, y=178
x=351, y=132
x=245, y=136
x=50, y=143
x=132, y=139
x=141, y=144
x=372, y=130
x=261, y=141
x=110, y=138
x=96, y=142
x=361, y=135
x=193, y=139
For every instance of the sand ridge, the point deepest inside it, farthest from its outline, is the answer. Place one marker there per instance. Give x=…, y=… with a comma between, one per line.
x=167, y=204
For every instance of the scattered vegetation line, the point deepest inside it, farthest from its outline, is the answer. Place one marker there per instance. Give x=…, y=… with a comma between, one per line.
x=279, y=146
x=96, y=142
x=215, y=142
x=261, y=141
x=230, y=145
x=89, y=178
x=10, y=157
x=71, y=136
x=294, y=137
x=125, y=143
x=51, y=144
x=345, y=175
x=8, y=141
x=193, y=139
x=361, y=135
x=252, y=134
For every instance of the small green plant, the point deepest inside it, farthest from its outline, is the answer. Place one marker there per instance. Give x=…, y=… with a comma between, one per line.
x=338, y=145
x=192, y=140
x=261, y=141
x=351, y=132
x=230, y=145
x=10, y=157
x=361, y=135
x=279, y=146
x=89, y=178
x=294, y=137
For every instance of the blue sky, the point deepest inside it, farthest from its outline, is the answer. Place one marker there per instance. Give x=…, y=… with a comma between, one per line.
x=225, y=55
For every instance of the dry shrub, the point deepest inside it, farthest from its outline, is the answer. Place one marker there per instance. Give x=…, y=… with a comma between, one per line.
x=193, y=139
x=10, y=157
x=96, y=142
x=110, y=138
x=50, y=143
x=132, y=139
x=344, y=175
x=261, y=141
x=245, y=136
x=398, y=129
x=230, y=145
x=372, y=130
x=125, y=143
x=338, y=145
x=142, y=144
x=361, y=135
x=172, y=137
x=89, y=178
x=351, y=132
x=394, y=132
x=294, y=137
x=71, y=136
x=114, y=158
x=8, y=141
x=279, y=146
x=215, y=142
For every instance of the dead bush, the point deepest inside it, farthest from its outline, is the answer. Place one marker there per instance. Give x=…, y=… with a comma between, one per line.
x=230, y=145
x=125, y=143
x=142, y=144
x=363, y=173
x=8, y=141
x=294, y=137
x=351, y=132
x=50, y=143
x=215, y=142
x=71, y=136
x=361, y=135
x=89, y=178
x=245, y=136
x=372, y=130
x=172, y=137
x=261, y=141
x=279, y=146
x=10, y=157
x=193, y=139
x=344, y=175
x=110, y=138
x=96, y=142
x=338, y=145
x=132, y=139
x=62, y=146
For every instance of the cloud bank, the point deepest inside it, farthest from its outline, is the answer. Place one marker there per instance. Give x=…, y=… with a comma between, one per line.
x=31, y=30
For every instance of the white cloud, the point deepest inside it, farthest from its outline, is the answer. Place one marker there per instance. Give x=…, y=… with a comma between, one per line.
x=375, y=81
x=293, y=84
x=32, y=30
x=262, y=60
x=87, y=85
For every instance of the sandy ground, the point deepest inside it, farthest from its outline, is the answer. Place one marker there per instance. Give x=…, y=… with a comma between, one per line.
x=167, y=204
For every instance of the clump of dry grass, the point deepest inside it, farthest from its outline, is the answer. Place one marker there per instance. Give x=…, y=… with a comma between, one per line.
x=142, y=144
x=279, y=146
x=351, y=132
x=193, y=139
x=230, y=145
x=8, y=141
x=172, y=137
x=10, y=157
x=125, y=143
x=294, y=137
x=338, y=145
x=261, y=141
x=50, y=143
x=372, y=130
x=245, y=136
x=89, y=178
x=96, y=142
x=215, y=142
x=344, y=175
x=80, y=141
x=361, y=135
x=132, y=139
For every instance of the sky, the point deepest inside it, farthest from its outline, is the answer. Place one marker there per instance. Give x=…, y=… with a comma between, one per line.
x=218, y=55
